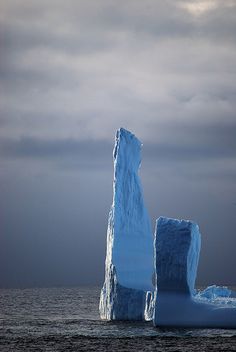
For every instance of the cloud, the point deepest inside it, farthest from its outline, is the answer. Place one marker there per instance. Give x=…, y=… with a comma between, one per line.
x=68, y=69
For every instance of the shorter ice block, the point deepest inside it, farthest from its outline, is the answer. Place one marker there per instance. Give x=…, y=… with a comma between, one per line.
x=177, y=247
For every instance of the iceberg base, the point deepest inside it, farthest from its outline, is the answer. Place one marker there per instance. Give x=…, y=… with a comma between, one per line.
x=182, y=310
x=121, y=303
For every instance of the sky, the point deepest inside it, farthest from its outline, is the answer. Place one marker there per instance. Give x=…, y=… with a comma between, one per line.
x=72, y=73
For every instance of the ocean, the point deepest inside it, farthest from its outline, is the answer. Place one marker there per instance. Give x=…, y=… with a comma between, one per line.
x=67, y=319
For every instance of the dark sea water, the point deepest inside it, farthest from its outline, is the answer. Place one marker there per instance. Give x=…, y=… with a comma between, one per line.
x=67, y=319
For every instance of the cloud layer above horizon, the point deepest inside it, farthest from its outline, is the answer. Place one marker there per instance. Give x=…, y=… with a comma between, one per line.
x=73, y=72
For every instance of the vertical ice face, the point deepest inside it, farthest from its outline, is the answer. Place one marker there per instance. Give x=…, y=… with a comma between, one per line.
x=177, y=245
x=129, y=259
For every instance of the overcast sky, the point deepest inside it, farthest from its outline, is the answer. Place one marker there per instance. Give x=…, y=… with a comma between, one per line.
x=73, y=72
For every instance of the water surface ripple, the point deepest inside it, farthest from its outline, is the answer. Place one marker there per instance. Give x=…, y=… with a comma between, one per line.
x=67, y=319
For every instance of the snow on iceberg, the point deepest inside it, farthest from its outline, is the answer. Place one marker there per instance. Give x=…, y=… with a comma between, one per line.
x=129, y=257
x=220, y=295
x=149, y=305
x=177, y=248
x=214, y=292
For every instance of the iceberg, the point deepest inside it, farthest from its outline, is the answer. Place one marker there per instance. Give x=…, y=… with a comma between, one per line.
x=177, y=249
x=129, y=256
x=128, y=292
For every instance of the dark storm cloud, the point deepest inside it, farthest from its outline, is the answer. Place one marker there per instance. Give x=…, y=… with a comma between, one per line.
x=72, y=42
x=81, y=29
x=78, y=28
x=191, y=141
x=197, y=140
x=39, y=148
